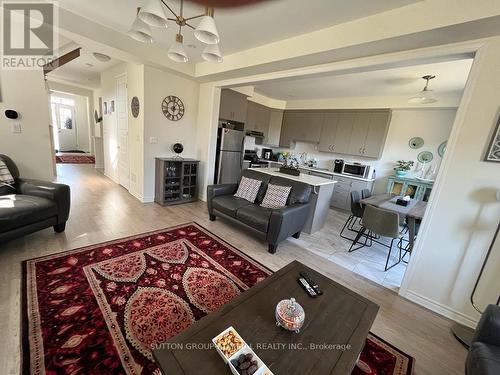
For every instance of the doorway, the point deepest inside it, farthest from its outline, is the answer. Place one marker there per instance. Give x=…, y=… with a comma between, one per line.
x=122, y=131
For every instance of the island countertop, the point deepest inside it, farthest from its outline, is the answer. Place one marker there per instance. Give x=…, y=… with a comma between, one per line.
x=304, y=178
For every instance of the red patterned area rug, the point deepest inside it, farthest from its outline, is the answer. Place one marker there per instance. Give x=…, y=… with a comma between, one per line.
x=75, y=159
x=99, y=309
x=381, y=358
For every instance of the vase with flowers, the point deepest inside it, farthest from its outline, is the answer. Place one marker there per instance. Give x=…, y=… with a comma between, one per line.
x=402, y=167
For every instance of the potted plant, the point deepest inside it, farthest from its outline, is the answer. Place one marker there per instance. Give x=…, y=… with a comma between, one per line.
x=402, y=167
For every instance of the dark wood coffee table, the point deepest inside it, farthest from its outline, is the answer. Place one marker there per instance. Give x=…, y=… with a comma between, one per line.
x=338, y=317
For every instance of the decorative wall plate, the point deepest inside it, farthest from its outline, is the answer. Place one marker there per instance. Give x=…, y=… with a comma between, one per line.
x=173, y=108
x=416, y=142
x=425, y=157
x=442, y=148
x=135, y=106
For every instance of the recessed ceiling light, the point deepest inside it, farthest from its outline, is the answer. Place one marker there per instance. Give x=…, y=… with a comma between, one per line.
x=101, y=57
x=89, y=65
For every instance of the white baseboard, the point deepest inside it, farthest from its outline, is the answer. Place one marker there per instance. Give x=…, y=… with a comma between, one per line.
x=441, y=309
x=148, y=199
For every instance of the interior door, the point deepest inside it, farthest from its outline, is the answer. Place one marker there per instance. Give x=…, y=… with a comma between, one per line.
x=64, y=119
x=122, y=132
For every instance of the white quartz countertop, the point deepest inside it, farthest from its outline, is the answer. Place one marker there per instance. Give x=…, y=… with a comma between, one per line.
x=304, y=178
x=328, y=172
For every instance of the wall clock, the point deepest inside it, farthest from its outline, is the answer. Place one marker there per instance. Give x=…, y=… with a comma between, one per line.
x=173, y=108
x=134, y=106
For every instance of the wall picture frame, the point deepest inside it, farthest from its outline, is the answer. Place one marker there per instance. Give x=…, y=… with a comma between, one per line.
x=493, y=151
x=105, y=108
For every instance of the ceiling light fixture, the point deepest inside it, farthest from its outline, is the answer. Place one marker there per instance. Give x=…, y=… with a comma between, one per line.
x=101, y=57
x=153, y=14
x=425, y=96
x=140, y=30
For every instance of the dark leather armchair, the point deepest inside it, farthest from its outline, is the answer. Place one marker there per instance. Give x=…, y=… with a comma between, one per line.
x=31, y=205
x=484, y=352
x=273, y=225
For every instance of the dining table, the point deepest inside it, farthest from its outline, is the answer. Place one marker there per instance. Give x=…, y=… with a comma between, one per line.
x=415, y=210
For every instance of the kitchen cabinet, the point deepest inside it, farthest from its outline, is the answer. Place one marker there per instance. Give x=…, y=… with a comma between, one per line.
x=341, y=197
x=275, y=121
x=369, y=132
x=336, y=131
x=258, y=118
x=302, y=126
x=233, y=106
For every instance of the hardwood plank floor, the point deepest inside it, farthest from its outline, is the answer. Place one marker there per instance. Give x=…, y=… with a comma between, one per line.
x=102, y=211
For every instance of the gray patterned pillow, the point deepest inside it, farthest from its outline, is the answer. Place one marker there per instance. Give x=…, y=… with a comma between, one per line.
x=276, y=196
x=248, y=189
x=6, y=178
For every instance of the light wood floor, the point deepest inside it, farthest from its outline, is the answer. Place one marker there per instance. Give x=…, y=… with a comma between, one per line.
x=102, y=210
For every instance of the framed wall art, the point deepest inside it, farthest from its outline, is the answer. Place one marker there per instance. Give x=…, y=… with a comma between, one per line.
x=493, y=152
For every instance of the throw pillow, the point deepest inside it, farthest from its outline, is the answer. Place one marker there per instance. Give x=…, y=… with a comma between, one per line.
x=276, y=196
x=6, y=178
x=248, y=189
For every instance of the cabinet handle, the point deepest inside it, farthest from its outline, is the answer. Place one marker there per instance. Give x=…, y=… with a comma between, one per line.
x=333, y=147
x=361, y=150
x=364, y=150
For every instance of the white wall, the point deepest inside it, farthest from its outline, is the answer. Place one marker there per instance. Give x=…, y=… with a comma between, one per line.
x=159, y=84
x=463, y=212
x=433, y=125
x=25, y=91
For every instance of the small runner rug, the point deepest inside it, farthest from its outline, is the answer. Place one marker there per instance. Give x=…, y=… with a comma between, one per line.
x=75, y=159
x=99, y=309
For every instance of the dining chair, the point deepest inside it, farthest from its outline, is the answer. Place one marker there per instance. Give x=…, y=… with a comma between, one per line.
x=357, y=210
x=366, y=193
x=406, y=247
x=385, y=224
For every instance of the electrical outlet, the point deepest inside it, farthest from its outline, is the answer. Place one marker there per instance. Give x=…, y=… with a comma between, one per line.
x=153, y=140
x=16, y=128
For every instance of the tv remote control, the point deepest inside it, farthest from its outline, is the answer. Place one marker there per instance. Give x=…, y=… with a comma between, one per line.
x=311, y=283
x=305, y=285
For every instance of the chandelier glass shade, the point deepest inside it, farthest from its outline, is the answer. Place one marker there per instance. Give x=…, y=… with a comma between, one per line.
x=155, y=13
x=140, y=31
x=426, y=96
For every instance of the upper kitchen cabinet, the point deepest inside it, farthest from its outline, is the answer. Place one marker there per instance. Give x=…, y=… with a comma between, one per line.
x=233, y=106
x=302, y=126
x=258, y=118
x=275, y=122
x=369, y=132
x=336, y=131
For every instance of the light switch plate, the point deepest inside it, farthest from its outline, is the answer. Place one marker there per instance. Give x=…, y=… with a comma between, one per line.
x=16, y=128
x=153, y=140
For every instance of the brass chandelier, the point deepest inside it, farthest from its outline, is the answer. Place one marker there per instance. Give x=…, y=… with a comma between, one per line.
x=154, y=13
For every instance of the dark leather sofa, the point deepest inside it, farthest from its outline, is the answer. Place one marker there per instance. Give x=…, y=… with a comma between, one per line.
x=273, y=225
x=31, y=205
x=484, y=352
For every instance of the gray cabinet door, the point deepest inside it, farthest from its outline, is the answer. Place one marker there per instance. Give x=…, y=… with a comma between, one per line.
x=328, y=132
x=344, y=132
x=275, y=121
x=233, y=106
x=251, y=121
x=302, y=126
x=359, y=132
x=377, y=134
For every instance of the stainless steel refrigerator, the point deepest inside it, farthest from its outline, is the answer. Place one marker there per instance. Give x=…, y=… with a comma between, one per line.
x=229, y=156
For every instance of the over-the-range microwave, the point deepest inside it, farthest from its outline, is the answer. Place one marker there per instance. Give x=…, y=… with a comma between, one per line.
x=358, y=170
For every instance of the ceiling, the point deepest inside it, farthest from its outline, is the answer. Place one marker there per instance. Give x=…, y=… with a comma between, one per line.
x=240, y=28
x=84, y=70
x=451, y=77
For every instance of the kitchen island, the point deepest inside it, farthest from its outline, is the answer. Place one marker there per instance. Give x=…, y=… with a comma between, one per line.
x=322, y=191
